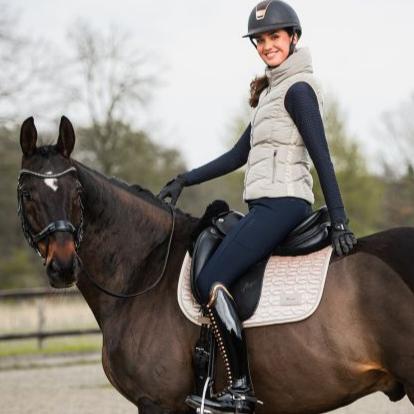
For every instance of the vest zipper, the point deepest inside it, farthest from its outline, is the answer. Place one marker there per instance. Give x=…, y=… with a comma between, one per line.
x=274, y=166
x=251, y=147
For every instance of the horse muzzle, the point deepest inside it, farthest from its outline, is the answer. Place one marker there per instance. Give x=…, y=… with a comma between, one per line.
x=62, y=264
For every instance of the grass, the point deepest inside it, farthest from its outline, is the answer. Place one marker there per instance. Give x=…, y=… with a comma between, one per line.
x=52, y=346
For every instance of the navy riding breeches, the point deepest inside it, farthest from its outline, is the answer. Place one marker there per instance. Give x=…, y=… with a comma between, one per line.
x=254, y=237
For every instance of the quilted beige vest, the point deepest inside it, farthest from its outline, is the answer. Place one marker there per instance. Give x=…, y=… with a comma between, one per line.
x=279, y=163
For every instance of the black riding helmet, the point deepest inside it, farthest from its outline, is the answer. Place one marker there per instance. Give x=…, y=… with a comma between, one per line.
x=273, y=15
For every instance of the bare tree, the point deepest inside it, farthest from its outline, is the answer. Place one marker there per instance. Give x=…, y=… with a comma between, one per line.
x=397, y=136
x=27, y=73
x=112, y=82
x=11, y=45
x=114, y=77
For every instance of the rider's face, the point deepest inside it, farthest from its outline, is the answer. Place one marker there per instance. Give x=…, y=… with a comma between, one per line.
x=273, y=47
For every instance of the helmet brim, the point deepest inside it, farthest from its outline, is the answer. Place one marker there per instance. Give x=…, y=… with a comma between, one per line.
x=271, y=28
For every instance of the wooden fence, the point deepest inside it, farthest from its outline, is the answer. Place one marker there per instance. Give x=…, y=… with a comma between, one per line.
x=40, y=333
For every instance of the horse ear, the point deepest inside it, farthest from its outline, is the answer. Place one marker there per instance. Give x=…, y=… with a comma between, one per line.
x=66, y=140
x=28, y=137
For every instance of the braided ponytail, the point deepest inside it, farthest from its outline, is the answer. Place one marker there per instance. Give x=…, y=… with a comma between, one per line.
x=257, y=86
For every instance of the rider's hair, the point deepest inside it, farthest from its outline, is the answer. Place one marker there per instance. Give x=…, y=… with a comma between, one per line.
x=260, y=83
x=257, y=85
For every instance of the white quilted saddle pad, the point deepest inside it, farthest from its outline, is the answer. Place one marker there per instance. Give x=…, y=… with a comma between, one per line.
x=292, y=289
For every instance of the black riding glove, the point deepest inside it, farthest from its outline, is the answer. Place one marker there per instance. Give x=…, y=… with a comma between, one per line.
x=343, y=240
x=172, y=189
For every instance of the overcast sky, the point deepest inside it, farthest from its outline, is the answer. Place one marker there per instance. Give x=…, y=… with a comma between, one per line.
x=361, y=52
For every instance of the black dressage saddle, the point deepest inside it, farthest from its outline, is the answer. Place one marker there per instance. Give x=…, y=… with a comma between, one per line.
x=310, y=235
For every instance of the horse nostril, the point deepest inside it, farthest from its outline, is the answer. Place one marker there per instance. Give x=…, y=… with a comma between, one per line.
x=61, y=273
x=54, y=266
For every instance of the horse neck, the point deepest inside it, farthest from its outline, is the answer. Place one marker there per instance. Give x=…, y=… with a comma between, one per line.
x=125, y=243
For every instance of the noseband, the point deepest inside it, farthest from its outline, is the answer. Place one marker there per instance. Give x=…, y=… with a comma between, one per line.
x=54, y=226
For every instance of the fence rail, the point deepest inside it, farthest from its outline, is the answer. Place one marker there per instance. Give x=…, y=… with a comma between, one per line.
x=44, y=335
x=40, y=334
x=37, y=293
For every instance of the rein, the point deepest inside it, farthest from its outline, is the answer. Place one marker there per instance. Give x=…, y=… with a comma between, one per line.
x=67, y=226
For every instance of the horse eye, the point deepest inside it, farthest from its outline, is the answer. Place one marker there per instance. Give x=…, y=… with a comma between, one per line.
x=26, y=195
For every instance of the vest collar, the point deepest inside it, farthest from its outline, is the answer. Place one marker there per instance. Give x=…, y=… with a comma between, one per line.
x=299, y=61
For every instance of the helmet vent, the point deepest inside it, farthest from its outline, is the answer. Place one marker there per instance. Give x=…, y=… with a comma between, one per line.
x=261, y=9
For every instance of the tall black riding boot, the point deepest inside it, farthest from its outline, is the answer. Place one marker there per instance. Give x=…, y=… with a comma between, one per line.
x=238, y=396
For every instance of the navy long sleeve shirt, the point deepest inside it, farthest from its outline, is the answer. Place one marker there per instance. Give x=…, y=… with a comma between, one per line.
x=302, y=105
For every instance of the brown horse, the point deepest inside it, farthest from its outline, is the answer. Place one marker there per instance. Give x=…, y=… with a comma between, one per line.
x=359, y=340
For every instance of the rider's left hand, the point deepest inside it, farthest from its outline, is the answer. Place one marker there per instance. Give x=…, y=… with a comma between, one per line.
x=343, y=240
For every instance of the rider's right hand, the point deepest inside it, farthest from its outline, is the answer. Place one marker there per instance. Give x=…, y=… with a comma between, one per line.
x=172, y=189
x=343, y=239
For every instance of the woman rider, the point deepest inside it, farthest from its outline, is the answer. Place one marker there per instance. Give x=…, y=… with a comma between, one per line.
x=285, y=131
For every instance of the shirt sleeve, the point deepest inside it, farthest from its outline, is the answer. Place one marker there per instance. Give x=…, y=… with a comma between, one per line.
x=302, y=105
x=228, y=162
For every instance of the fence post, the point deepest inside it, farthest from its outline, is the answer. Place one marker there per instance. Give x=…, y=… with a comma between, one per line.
x=40, y=322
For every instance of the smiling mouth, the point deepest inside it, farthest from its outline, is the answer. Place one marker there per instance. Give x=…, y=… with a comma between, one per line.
x=271, y=55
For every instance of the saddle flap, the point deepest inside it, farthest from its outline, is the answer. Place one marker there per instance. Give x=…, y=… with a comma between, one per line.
x=206, y=244
x=247, y=289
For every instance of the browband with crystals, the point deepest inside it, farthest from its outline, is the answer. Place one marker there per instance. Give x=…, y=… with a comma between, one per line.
x=45, y=175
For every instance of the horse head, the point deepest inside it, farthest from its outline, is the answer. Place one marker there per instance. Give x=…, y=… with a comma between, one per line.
x=49, y=202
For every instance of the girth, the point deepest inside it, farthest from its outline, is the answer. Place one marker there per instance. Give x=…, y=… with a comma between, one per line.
x=310, y=235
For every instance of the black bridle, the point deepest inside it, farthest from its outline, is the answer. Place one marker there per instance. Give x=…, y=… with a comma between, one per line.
x=55, y=226
x=76, y=231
